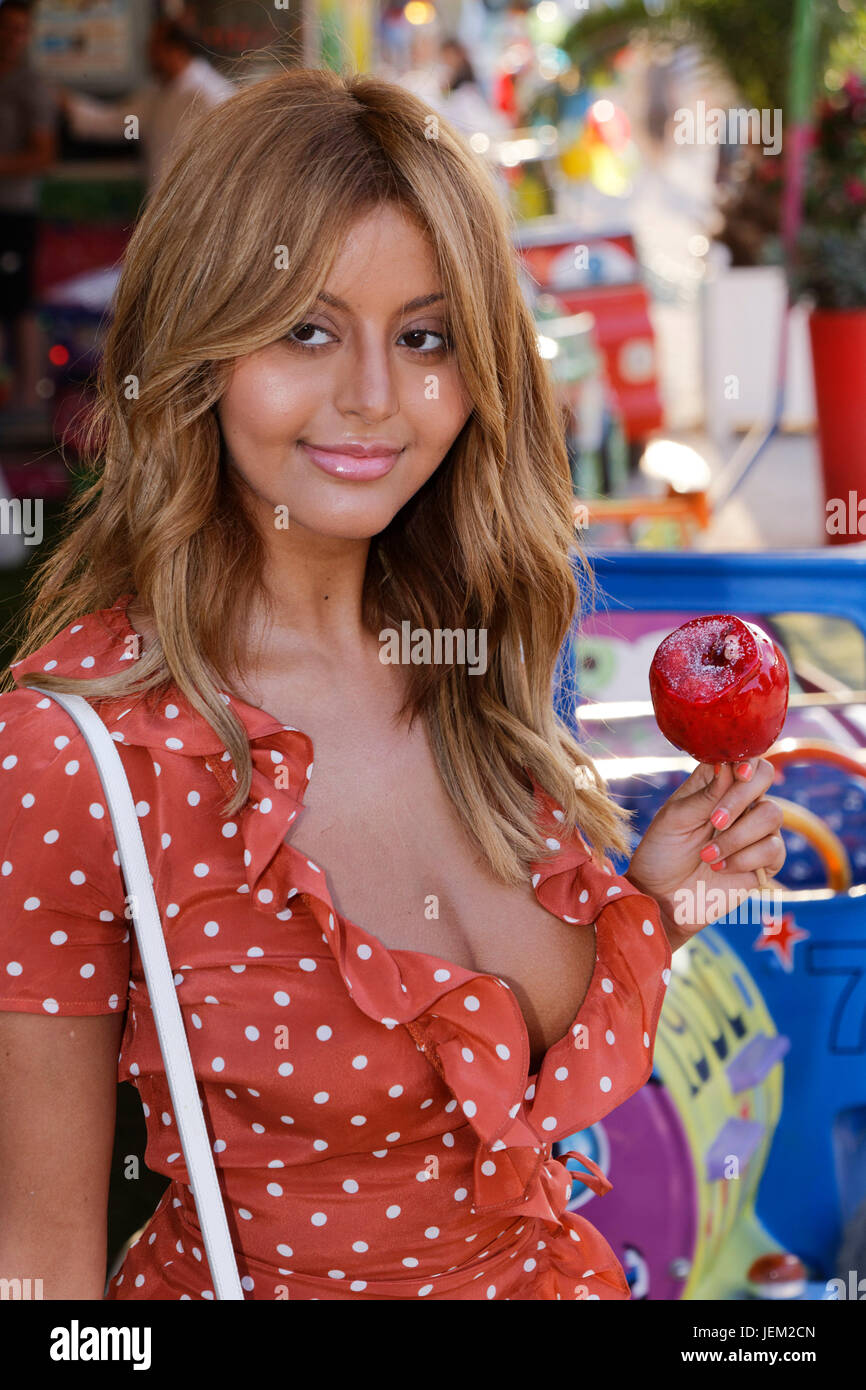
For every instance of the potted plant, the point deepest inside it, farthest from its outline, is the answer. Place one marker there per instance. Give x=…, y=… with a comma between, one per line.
x=830, y=268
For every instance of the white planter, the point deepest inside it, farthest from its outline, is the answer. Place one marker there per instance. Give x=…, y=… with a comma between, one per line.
x=741, y=317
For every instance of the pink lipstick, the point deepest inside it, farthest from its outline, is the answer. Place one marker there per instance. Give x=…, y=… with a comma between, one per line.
x=358, y=462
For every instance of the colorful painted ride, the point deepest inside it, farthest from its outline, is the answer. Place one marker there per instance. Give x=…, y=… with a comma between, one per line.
x=750, y=1138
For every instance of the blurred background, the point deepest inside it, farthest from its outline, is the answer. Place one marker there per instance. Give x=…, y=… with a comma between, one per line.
x=687, y=183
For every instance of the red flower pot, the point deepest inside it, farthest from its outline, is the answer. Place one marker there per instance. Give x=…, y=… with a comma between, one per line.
x=839, y=364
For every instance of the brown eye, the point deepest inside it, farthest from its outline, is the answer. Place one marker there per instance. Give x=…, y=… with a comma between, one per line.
x=422, y=333
x=293, y=339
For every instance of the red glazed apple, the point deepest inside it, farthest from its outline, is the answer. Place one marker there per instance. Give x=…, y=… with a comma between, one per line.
x=719, y=688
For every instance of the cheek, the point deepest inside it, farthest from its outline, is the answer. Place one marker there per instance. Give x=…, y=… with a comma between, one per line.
x=441, y=407
x=264, y=403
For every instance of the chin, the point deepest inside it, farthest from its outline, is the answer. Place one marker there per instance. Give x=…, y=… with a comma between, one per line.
x=350, y=522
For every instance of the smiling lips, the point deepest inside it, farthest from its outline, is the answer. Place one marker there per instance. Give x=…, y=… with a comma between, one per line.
x=359, y=462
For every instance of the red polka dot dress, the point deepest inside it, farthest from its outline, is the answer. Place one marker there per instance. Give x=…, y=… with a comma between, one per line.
x=375, y=1128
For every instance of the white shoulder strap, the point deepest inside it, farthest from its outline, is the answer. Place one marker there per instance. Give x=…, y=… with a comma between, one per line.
x=163, y=995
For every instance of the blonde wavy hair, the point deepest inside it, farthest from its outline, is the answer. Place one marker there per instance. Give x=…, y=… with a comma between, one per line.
x=487, y=542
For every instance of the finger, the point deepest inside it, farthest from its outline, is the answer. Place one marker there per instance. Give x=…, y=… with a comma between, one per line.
x=762, y=819
x=741, y=794
x=768, y=854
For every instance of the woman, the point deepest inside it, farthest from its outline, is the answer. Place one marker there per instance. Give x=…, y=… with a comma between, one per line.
x=405, y=974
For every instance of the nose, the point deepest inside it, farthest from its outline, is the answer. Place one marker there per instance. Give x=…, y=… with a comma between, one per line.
x=367, y=385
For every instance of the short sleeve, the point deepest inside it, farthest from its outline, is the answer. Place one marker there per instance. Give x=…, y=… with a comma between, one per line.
x=64, y=937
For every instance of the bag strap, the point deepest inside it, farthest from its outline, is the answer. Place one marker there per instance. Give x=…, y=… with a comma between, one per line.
x=163, y=995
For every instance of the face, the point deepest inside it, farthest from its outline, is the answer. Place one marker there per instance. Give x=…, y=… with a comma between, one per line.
x=14, y=34
x=346, y=418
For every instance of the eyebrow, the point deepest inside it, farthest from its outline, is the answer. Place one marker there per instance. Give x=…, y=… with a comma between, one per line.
x=412, y=304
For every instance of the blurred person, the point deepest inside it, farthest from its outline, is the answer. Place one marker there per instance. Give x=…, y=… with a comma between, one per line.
x=464, y=103
x=185, y=84
x=27, y=147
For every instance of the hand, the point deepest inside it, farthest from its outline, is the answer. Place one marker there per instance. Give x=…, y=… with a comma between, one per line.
x=683, y=847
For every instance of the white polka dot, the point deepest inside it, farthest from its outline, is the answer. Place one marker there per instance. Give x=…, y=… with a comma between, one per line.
x=211, y=928
x=502, y=1051
x=549, y=1122
x=646, y=1041
x=174, y=743
x=31, y=904
x=471, y=1003
x=201, y=870
x=364, y=952
x=96, y=810
x=469, y=1108
x=350, y=1185
x=307, y=964
x=229, y=829
x=193, y=798
x=467, y=1054
x=274, y=1189
x=561, y=1073
x=395, y=1090
x=50, y=1006
x=321, y=1097
x=361, y=1246
x=461, y=1194
x=432, y=1232
x=425, y=1288
x=359, y=1120
x=359, y=1062
x=71, y=768
x=440, y=976
x=251, y=1033
x=57, y=938
x=607, y=986
x=171, y=711
x=324, y=1032
x=666, y=976
x=553, y=844
x=392, y=1211
x=77, y=877
x=318, y=1218
x=14, y=967
x=488, y=1168
x=609, y=1037
x=605, y=1083
x=281, y=998
x=648, y=927
x=218, y=1063
x=87, y=971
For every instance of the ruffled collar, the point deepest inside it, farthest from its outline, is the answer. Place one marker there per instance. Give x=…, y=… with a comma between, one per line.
x=468, y=1023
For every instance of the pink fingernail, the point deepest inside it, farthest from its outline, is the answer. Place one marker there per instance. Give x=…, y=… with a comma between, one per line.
x=710, y=852
x=745, y=771
x=720, y=818
x=721, y=864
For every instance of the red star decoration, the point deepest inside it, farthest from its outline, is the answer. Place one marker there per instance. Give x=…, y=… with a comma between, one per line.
x=782, y=941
